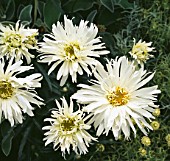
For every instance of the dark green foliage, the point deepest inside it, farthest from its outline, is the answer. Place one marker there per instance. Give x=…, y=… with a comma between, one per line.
x=7, y=134
x=119, y=21
x=52, y=8
x=25, y=14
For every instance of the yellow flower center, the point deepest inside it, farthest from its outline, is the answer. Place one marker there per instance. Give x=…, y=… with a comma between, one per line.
x=13, y=40
x=6, y=90
x=68, y=124
x=140, y=50
x=118, y=97
x=31, y=40
x=70, y=50
x=141, y=47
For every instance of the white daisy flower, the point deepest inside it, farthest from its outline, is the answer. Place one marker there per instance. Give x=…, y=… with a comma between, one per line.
x=140, y=51
x=15, y=42
x=68, y=129
x=72, y=46
x=117, y=98
x=17, y=95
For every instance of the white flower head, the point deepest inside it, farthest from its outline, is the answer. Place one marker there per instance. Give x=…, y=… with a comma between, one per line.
x=68, y=129
x=140, y=51
x=73, y=47
x=17, y=95
x=15, y=42
x=117, y=98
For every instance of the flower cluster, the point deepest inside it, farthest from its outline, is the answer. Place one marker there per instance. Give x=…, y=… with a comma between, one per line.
x=68, y=128
x=117, y=96
x=75, y=47
x=140, y=51
x=15, y=42
x=117, y=100
x=17, y=94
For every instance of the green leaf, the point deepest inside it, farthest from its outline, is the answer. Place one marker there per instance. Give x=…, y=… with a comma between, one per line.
x=91, y=16
x=4, y=3
x=109, y=4
x=3, y=7
x=10, y=10
x=6, y=143
x=52, y=13
x=19, y=9
x=25, y=14
x=5, y=127
x=106, y=17
x=44, y=73
x=123, y=3
x=56, y=88
x=39, y=22
x=108, y=39
x=41, y=6
x=78, y=5
x=23, y=142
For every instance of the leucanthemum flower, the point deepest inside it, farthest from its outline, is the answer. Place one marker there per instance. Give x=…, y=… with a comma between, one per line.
x=73, y=47
x=117, y=97
x=68, y=129
x=140, y=51
x=17, y=95
x=15, y=42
